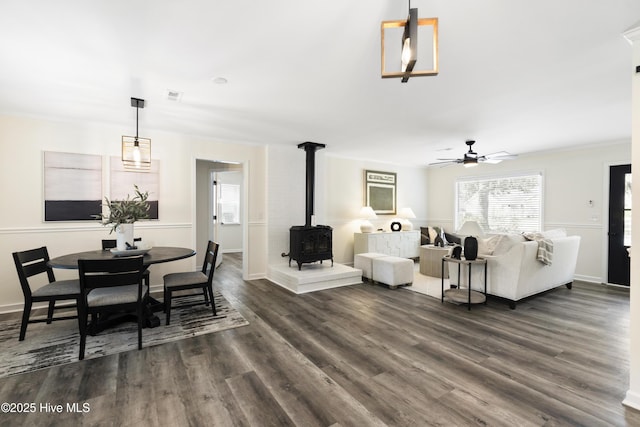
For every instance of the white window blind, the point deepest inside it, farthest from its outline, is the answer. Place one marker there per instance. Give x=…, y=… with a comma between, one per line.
x=501, y=204
x=229, y=203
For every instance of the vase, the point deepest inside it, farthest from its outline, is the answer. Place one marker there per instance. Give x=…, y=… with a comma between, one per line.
x=124, y=235
x=470, y=248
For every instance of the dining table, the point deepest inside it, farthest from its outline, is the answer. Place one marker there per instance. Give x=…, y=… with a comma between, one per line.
x=154, y=255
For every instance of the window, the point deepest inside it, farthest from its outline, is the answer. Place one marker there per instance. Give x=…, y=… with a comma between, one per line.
x=229, y=202
x=501, y=204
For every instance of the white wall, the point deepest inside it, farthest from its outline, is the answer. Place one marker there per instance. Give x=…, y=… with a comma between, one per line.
x=632, y=397
x=339, y=196
x=22, y=142
x=571, y=179
x=345, y=195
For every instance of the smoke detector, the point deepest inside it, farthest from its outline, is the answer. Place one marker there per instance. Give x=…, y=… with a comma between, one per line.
x=173, y=95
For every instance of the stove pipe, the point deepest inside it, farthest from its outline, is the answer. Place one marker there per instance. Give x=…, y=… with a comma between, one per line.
x=310, y=148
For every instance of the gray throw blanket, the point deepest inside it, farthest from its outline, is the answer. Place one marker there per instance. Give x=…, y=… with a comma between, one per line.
x=545, y=247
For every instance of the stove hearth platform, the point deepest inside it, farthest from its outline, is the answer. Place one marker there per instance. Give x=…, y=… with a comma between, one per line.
x=313, y=277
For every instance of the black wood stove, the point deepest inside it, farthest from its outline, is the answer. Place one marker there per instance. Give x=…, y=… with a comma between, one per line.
x=309, y=243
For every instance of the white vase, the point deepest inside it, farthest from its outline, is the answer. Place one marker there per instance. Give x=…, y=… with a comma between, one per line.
x=124, y=235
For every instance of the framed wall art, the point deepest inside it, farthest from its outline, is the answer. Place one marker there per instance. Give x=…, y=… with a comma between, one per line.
x=122, y=183
x=72, y=186
x=380, y=191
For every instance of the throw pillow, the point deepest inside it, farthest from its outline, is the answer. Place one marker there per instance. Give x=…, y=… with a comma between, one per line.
x=424, y=236
x=433, y=233
x=487, y=246
x=506, y=242
x=452, y=238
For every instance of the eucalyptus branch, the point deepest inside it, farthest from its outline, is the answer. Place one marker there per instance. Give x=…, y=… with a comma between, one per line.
x=125, y=211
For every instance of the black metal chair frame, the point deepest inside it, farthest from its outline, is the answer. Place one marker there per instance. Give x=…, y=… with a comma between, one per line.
x=208, y=269
x=108, y=273
x=31, y=263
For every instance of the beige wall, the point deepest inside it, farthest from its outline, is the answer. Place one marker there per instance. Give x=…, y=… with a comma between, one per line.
x=23, y=141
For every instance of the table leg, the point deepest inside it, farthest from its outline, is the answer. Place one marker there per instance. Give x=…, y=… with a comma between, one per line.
x=485, y=283
x=469, y=286
x=442, y=283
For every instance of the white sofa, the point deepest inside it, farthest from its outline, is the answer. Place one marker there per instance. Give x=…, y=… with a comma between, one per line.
x=513, y=270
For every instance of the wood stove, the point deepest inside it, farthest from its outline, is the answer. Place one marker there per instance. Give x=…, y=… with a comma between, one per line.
x=310, y=243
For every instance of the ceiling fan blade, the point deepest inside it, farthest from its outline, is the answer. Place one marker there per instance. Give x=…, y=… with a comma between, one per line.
x=502, y=155
x=446, y=162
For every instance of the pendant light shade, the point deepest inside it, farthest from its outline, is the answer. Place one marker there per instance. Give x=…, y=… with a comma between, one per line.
x=404, y=54
x=136, y=151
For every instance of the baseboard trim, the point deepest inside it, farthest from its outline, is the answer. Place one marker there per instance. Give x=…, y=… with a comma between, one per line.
x=632, y=399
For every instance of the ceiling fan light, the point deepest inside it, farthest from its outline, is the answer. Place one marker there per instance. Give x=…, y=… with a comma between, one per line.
x=470, y=162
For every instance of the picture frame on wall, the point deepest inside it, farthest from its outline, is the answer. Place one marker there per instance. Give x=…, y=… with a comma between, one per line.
x=72, y=186
x=380, y=191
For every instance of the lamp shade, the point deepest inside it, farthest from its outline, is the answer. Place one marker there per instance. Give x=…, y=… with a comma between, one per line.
x=406, y=213
x=471, y=228
x=367, y=213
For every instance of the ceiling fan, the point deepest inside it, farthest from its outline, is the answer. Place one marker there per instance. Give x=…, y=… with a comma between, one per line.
x=471, y=158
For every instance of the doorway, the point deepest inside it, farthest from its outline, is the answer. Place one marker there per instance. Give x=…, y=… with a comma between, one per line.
x=216, y=218
x=619, y=232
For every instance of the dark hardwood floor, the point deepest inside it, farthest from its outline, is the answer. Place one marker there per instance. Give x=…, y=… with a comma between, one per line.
x=361, y=355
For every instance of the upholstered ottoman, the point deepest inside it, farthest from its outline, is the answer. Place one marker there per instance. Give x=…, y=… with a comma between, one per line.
x=392, y=271
x=363, y=262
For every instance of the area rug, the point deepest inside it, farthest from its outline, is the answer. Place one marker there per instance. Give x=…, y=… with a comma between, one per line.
x=427, y=285
x=58, y=343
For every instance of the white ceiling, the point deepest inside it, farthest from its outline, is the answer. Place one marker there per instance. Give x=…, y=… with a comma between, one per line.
x=514, y=75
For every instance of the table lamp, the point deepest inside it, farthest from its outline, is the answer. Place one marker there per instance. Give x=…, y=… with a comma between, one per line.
x=471, y=229
x=406, y=214
x=367, y=213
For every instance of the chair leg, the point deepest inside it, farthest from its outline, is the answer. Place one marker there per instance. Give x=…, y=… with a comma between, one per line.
x=167, y=305
x=25, y=319
x=213, y=302
x=206, y=295
x=83, y=318
x=140, y=320
x=52, y=305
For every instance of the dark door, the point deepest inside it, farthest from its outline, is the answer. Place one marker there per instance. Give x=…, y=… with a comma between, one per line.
x=619, y=224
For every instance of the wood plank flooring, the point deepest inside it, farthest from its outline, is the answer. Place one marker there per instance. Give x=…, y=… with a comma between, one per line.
x=361, y=355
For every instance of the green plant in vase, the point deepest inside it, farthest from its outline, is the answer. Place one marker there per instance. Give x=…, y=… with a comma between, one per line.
x=123, y=213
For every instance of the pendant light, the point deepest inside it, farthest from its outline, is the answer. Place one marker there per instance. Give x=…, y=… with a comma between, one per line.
x=136, y=151
x=408, y=51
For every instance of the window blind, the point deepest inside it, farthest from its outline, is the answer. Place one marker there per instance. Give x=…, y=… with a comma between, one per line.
x=511, y=203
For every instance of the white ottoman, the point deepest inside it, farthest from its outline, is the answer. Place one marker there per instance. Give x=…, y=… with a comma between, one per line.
x=363, y=262
x=392, y=271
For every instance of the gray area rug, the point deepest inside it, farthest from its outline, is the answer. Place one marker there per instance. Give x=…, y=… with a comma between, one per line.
x=58, y=343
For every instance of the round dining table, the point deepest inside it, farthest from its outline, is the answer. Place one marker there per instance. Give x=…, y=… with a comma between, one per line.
x=155, y=255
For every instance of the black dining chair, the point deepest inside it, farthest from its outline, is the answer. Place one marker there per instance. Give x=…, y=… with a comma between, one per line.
x=32, y=263
x=110, y=285
x=203, y=279
x=108, y=244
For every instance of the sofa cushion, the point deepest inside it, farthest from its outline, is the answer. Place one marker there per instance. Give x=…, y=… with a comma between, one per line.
x=554, y=234
x=506, y=242
x=486, y=246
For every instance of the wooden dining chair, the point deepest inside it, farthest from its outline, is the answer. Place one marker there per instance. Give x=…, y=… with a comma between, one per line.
x=203, y=279
x=110, y=285
x=34, y=262
x=108, y=244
